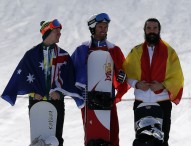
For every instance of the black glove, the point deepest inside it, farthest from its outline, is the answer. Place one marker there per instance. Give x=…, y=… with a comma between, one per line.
x=121, y=77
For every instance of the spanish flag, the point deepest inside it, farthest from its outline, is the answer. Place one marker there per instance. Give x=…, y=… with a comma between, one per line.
x=165, y=68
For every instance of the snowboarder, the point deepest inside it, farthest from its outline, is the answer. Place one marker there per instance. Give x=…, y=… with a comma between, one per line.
x=154, y=71
x=46, y=72
x=98, y=26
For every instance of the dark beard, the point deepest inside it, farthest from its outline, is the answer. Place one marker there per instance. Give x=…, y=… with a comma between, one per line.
x=152, y=38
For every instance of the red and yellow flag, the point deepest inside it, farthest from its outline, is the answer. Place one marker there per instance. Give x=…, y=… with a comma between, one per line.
x=165, y=68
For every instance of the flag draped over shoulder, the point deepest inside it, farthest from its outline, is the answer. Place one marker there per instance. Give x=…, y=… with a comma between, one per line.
x=79, y=58
x=165, y=68
x=118, y=59
x=29, y=77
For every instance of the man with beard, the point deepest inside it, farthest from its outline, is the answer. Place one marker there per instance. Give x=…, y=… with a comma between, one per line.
x=153, y=70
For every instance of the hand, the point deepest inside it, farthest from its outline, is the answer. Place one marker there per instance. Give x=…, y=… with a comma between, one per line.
x=156, y=86
x=143, y=85
x=121, y=77
x=38, y=97
x=54, y=95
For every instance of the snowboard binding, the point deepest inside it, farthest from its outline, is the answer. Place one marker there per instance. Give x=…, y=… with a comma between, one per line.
x=49, y=141
x=99, y=100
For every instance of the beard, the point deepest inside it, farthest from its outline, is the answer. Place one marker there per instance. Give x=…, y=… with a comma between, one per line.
x=152, y=38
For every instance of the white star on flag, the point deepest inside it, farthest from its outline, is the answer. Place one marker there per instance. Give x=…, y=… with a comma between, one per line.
x=30, y=78
x=41, y=65
x=19, y=71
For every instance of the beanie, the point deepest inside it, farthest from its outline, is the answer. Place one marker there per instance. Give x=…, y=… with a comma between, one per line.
x=47, y=27
x=45, y=30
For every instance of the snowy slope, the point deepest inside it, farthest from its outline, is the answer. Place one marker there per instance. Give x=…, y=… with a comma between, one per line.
x=20, y=24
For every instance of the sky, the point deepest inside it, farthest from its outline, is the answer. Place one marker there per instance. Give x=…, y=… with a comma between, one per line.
x=20, y=31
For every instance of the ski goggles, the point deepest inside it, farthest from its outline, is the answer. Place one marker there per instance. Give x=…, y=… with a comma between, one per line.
x=100, y=18
x=50, y=26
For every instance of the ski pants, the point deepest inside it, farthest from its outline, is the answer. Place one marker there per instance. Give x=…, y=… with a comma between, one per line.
x=167, y=108
x=114, y=127
x=59, y=105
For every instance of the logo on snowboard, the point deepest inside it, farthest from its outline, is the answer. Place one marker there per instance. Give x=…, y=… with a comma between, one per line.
x=50, y=119
x=108, y=71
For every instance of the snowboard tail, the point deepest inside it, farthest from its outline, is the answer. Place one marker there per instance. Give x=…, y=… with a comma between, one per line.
x=148, y=125
x=43, y=120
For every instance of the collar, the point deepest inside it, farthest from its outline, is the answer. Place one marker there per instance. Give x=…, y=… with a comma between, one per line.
x=151, y=47
x=98, y=43
x=48, y=47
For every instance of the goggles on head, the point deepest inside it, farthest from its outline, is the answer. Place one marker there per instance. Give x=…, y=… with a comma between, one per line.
x=52, y=25
x=100, y=18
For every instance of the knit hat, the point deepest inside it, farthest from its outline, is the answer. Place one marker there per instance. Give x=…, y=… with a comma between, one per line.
x=47, y=27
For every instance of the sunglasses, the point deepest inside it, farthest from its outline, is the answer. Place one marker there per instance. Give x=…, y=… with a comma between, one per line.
x=52, y=25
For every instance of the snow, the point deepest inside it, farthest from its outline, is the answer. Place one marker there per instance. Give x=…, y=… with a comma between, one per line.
x=20, y=24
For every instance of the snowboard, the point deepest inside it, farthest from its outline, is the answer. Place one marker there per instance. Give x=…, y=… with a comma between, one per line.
x=97, y=110
x=43, y=119
x=147, y=117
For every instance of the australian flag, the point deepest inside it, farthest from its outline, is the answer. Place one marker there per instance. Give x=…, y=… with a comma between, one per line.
x=29, y=77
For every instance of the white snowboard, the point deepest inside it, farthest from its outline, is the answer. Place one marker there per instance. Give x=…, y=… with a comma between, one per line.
x=43, y=119
x=100, y=76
